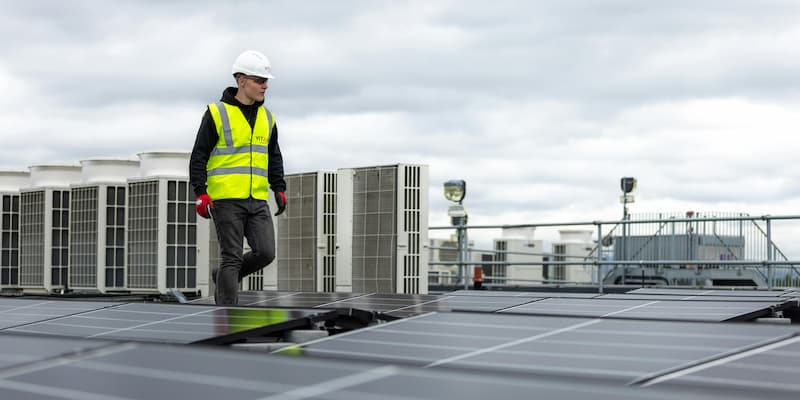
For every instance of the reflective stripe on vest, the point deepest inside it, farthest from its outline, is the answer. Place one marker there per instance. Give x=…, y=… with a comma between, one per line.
x=238, y=166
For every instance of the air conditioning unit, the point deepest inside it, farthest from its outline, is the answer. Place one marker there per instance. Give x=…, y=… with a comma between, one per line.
x=10, y=183
x=382, y=229
x=98, y=225
x=163, y=228
x=44, y=228
x=306, y=239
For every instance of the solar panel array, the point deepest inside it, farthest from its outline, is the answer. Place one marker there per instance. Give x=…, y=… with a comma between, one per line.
x=683, y=306
x=164, y=323
x=509, y=344
x=629, y=352
x=48, y=368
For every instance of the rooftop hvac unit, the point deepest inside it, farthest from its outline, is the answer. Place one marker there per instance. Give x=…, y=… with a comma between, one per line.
x=10, y=183
x=382, y=229
x=163, y=228
x=44, y=227
x=97, y=225
x=306, y=237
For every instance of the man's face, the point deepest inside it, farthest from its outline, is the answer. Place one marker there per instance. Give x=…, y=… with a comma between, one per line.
x=254, y=87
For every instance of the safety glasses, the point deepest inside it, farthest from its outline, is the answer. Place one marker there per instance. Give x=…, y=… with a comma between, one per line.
x=257, y=79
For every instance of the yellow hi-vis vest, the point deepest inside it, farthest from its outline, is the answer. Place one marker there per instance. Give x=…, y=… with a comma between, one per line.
x=239, y=163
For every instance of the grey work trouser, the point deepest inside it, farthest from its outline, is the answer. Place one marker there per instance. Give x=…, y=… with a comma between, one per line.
x=236, y=219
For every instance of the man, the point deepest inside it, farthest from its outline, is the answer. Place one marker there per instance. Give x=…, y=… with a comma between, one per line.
x=235, y=158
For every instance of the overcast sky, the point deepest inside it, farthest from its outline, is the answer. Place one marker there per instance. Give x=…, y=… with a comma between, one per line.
x=541, y=106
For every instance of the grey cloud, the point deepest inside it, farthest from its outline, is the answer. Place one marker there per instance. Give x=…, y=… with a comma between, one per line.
x=540, y=106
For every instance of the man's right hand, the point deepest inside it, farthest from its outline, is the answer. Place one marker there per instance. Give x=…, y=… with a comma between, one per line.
x=202, y=205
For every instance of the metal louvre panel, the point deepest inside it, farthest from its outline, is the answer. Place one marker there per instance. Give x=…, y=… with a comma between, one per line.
x=143, y=235
x=83, y=237
x=31, y=263
x=297, y=235
x=329, y=231
x=374, y=230
x=181, y=236
x=411, y=222
x=115, y=248
x=59, y=235
x=9, y=263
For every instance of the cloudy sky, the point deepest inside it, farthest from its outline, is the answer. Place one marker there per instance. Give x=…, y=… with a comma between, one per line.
x=540, y=106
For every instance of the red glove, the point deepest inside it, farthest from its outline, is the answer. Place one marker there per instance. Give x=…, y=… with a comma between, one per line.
x=202, y=205
x=280, y=199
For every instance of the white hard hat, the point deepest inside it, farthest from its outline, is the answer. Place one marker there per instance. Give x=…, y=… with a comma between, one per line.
x=254, y=63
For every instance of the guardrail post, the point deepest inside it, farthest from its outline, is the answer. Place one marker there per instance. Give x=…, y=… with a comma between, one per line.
x=770, y=277
x=462, y=250
x=599, y=263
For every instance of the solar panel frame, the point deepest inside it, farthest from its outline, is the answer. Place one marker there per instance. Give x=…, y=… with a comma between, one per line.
x=670, y=297
x=536, y=294
x=284, y=299
x=710, y=292
x=719, y=311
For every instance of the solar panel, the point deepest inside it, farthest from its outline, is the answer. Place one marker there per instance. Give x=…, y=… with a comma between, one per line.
x=14, y=312
x=768, y=368
x=285, y=299
x=148, y=371
x=395, y=305
x=683, y=297
x=172, y=323
x=22, y=350
x=710, y=292
x=657, y=306
x=538, y=294
x=614, y=349
x=650, y=309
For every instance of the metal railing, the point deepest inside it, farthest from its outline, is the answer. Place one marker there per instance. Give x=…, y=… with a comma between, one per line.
x=664, y=249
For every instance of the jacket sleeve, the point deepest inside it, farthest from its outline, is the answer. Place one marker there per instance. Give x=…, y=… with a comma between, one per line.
x=276, y=181
x=206, y=140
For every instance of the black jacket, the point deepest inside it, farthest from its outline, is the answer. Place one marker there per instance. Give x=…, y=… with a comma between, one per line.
x=207, y=138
